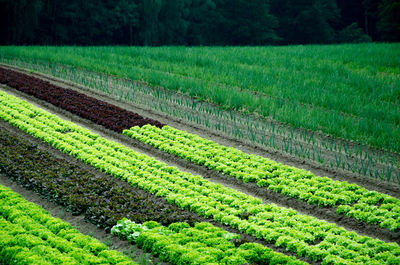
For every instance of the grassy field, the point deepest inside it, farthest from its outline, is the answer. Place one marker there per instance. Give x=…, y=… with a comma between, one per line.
x=348, y=91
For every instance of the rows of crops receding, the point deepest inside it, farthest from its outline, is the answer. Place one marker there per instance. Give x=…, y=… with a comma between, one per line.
x=102, y=200
x=100, y=112
x=105, y=201
x=30, y=235
x=311, y=144
x=350, y=199
x=351, y=94
x=306, y=236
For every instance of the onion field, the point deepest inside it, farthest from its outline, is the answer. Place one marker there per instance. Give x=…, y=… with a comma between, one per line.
x=217, y=155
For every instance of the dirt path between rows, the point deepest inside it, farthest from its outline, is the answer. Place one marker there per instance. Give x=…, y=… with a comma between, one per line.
x=336, y=174
x=328, y=214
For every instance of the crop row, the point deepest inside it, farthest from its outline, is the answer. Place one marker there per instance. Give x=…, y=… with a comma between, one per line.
x=103, y=113
x=98, y=197
x=179, y=243
x=103, y=200
x=357, y=102
x=30, y=235
x=79, y=190
x=350, y=199
x=356, y=158
x=307, y=236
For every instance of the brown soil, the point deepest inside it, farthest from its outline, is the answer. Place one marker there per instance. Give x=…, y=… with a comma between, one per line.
x=336, y=174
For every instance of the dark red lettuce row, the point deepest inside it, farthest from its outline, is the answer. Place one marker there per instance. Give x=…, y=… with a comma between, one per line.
x=100, y=112
x=102, y=199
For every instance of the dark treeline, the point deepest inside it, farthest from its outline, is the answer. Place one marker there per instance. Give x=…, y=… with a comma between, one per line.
x=197, y=22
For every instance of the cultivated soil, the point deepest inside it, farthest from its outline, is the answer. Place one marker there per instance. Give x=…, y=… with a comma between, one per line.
x=268, y=196
x=336, y=174
x=79, y=221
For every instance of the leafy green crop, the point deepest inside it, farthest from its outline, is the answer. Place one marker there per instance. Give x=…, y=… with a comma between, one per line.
x=348, y=91
x=30, y=235
x=202, y=244
x=82, y=191
x=330, y=152
x=304, y=235
x=287, y=180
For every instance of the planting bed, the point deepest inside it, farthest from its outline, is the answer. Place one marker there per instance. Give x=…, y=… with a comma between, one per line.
x=56, y=172
x=315, y=239
x=366, y=206
x=103, y=113
x=30, y=235
x=151, y=190
x=101, y=85
x=59, y=182
x=348, y=124
x=351, y=199
x=103, y=200
x=204, y=243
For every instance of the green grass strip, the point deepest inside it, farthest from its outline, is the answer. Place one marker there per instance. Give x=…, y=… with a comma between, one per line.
x=306, y=236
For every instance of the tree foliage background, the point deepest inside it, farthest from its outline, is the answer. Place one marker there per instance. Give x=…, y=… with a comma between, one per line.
x=197, y=22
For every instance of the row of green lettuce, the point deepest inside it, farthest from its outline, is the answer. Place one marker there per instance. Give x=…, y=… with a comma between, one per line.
x=102, y=199
x=350, y=199
x=30, y=235
x=99, y=199
x=179, y=243
x=306, y=236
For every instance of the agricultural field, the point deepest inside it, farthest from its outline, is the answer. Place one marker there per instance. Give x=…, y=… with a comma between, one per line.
x=172, y=155
x=336, y=106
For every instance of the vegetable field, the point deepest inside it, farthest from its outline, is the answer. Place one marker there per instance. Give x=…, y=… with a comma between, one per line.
x=264, y=155
x=337, y=106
